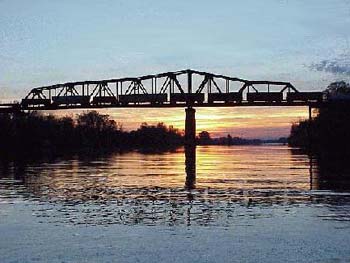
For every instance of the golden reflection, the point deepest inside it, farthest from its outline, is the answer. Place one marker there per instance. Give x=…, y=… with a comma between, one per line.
x=218, y=186
x=251, y=168
x=220, y=168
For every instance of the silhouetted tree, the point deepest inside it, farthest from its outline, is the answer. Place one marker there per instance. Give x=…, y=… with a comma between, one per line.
x=204, y=138
x=156, y=136
x=329, y=131
x=34, y=133
x=229, y=139
x=339, y=89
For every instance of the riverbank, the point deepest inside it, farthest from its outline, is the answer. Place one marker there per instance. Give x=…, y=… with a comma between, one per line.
x=34, y=134
x=326, y=135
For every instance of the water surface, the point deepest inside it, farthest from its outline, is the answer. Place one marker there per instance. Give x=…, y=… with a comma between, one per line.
x=260, y=193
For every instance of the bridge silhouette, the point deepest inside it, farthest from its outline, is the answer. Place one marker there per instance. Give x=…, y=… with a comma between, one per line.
x=184, y=88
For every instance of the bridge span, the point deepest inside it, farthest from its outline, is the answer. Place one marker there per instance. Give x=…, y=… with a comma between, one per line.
x=185, y=88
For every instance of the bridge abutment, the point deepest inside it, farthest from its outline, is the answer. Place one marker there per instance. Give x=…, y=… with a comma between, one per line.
x=190, y=127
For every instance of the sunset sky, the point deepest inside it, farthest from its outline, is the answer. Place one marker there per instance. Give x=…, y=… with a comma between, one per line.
x=304, y=42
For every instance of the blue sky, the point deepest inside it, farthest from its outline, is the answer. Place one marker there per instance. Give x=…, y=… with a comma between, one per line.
x=42, y=42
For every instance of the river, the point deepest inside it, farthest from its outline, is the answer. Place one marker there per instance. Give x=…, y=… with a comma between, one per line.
x=268, y=203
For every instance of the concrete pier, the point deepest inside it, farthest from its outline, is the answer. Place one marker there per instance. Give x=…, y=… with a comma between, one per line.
x=190, y=147
x=190, y=127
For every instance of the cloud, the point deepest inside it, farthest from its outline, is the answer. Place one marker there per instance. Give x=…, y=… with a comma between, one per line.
x=334, y=66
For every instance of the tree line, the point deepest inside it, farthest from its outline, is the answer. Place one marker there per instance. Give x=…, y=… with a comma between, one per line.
x=34, y=133
x=31, y=133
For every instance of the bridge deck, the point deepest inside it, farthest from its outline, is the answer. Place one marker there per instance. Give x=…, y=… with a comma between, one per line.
x=14, y=107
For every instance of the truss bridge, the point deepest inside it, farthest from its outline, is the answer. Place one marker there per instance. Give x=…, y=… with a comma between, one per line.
x=184, y=88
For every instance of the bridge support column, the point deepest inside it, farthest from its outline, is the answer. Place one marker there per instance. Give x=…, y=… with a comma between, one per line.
x=190, y=127
x=310, y=113
x=308, y=130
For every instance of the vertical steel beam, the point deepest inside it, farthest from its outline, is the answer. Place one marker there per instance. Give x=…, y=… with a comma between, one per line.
x=152, y=79
x=189, y=82
x=155, y=85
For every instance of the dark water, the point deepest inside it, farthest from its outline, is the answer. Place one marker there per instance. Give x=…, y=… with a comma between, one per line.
x=226, y=188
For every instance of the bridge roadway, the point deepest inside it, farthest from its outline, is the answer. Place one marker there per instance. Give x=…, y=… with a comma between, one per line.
x=184, y=88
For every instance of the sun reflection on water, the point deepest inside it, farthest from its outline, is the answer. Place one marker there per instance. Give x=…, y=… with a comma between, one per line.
x=224, y=184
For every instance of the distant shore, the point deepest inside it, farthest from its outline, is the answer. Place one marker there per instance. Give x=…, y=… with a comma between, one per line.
x=32, y=134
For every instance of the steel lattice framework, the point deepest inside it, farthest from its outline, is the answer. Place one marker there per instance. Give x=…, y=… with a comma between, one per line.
x=184, y=88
